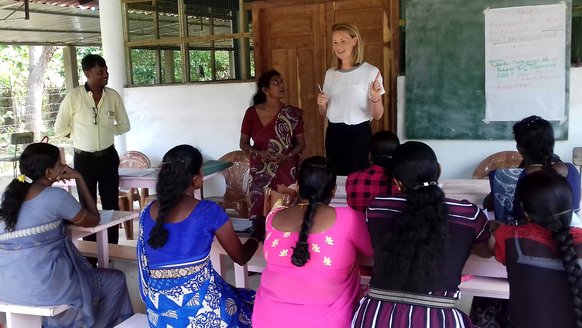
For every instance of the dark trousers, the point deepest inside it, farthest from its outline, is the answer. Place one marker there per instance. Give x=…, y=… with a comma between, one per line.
x=347, y=146
x=101, y=171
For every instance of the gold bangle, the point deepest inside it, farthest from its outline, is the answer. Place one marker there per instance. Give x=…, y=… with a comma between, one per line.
x=255, y=239
x=81, y=218
x=375, y=102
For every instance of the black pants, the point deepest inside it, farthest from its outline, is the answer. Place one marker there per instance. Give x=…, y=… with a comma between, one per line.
x=348, y=146
x=101, y=171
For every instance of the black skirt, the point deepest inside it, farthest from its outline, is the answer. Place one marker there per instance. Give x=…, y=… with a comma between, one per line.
x=348, y=146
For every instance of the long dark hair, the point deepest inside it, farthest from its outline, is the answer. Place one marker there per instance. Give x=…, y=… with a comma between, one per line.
x=382, y=147
x=547, y=201
x=34, y=161
x=534, y=137
x=263, y=82
x=316, y=180
x=415, y=247
x=179, y=166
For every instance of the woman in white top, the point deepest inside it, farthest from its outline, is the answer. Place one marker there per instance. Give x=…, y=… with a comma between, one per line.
x=350, y=99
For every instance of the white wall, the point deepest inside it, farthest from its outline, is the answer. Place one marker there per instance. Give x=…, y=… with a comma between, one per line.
x=209, y=116
x=459, y=158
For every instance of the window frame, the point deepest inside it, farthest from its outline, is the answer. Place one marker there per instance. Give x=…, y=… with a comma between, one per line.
x=242, y=44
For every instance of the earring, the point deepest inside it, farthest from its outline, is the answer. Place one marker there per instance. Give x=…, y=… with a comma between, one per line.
x=50, y=178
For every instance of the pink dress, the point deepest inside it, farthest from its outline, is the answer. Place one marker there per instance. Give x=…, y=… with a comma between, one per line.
x=322, y=293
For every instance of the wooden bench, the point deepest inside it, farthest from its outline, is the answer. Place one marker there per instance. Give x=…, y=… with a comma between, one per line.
x=138, y=320
x=20, y=316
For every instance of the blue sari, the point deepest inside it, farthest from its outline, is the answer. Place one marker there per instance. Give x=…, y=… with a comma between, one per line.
x=39, y=265
x=177, y=281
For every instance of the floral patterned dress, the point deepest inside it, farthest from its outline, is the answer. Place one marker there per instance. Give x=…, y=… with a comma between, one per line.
x=322, y=293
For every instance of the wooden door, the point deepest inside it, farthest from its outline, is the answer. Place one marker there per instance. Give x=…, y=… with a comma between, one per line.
x=290, y=39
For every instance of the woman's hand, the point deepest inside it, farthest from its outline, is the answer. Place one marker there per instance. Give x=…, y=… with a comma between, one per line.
x=375, y=92
x=68, y=173
x=322, y=99
x=265, y=156
x=280, y=157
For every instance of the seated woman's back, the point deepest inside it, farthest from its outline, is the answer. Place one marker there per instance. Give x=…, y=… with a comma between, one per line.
x=421, y=242
x=191, y=232
x=536, y=274
x=542, y=255
x=337, y=235
x=38, y=258
x=466, y=227
x=177, y=282
x=311, y=278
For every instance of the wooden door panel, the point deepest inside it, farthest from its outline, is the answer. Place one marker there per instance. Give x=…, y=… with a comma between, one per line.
x=308, y=91
x=294, y=48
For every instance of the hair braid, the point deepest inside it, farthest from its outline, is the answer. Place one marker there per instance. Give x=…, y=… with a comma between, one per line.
x=180, y=165
x=565, y=243
x=301, y=250
x=316, y=179
x=414, y=247
x=12, y=200
x=33, y=163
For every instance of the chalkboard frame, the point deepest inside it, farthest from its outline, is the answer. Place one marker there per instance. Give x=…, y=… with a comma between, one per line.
x=445, y=70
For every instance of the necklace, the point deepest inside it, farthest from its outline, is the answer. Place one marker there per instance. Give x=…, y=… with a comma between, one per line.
x=304, y=203
x=191, y=194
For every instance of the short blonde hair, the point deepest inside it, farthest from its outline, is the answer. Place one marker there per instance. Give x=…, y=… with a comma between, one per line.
x=358, y=51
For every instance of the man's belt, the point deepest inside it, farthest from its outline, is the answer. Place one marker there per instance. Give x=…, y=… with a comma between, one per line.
x=99, y=153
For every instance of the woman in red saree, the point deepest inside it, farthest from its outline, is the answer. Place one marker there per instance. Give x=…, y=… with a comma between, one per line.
x=277, y=133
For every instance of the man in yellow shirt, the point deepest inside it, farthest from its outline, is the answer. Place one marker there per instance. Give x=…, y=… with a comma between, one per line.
x=92, y=115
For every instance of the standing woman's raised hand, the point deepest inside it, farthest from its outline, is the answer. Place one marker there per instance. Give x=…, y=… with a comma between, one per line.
x=375, y=91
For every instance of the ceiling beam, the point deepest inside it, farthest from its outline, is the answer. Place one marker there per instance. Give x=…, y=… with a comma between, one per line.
x=47, y=31
x=59, y=44
x=53, y=13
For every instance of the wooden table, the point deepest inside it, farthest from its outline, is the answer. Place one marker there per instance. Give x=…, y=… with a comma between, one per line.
x=108, y=219
x=489, y=277
x=147, y=178
x=472, y=190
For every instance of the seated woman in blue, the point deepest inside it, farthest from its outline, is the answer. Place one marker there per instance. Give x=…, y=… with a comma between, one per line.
x=177, y=281
x=39, y=265
x=542, y=255
x=534, y=137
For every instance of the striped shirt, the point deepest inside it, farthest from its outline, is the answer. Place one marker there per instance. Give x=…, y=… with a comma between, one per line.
x=467, y=225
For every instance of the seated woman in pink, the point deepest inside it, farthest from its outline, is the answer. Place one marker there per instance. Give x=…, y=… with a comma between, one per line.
x=311, y=278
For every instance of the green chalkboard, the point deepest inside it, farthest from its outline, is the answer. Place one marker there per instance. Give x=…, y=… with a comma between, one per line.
x=445, y=70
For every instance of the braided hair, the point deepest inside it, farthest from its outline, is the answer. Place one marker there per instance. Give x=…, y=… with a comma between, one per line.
x=33, y=163
x=316, y=180
x=414, y=249
x=382, y=147
x=547, y=201
x=534, y=137
x=179, y=166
